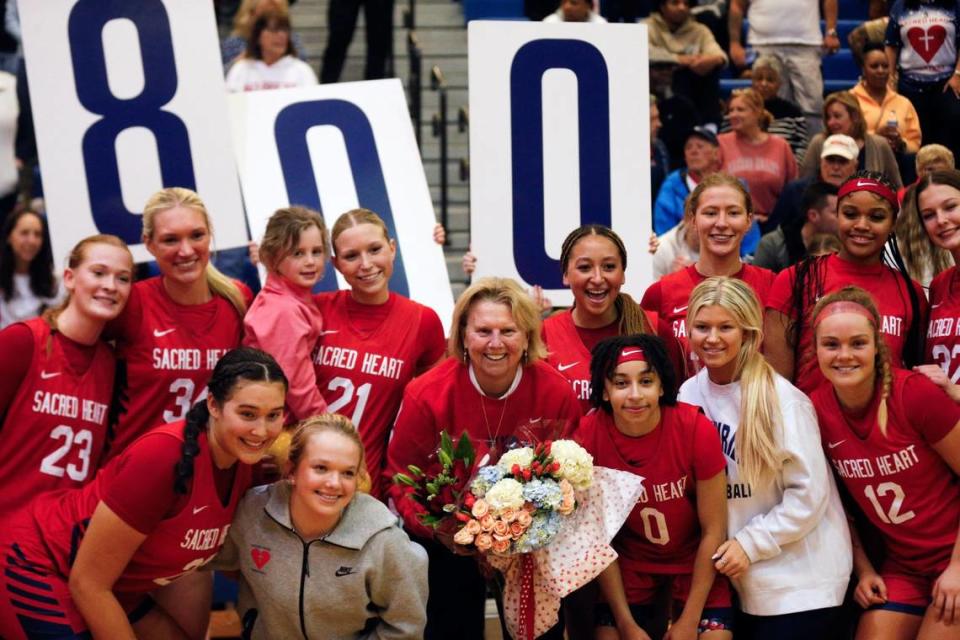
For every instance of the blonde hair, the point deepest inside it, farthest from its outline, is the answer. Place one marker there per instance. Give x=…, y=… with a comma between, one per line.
x=881, y=362
x=755, y=101
x=852, y=105
x=508, y=293
x=760, y=417
x=244, y=18
x=918, y=251
x=355, y=218
x=283, y=233
x=933, y=152
x=718, y=179
x=77, y=256
x=172, y=197
x=328, y=422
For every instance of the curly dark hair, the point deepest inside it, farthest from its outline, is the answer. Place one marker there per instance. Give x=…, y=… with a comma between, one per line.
x=604, y=362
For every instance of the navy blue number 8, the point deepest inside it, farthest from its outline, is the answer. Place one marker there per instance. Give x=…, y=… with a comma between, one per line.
x=85, y=26
x=526, y=112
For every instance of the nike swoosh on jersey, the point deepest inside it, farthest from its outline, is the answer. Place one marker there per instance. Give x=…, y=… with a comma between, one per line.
x=157, y=333
x=831, y=445
x=564, y=367
x=46, y=376
x=197, y=510
x=680, y=309
x=323, y=333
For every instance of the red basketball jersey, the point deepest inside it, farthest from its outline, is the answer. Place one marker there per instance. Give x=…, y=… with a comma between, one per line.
x=899, y=481
x=662, y=533
x=179, y=544
x=670, y=296
x=167, y=351
x=56, y=426
x=943, y=330
x=362, y=375
x=567, y=353
x=886, y=286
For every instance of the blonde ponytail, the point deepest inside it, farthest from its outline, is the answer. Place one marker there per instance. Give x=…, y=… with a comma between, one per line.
x=758, y=455
x=171, y=197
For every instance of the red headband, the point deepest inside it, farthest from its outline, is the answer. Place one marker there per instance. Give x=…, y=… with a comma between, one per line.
x=873, y=186
x=631, y=354
x=844, y=306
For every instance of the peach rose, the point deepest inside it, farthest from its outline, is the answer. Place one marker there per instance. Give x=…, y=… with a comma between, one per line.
x=524, y=518
x=480, y=508
x=567, y=504
x=484, y=541
x=463, y=537
x=508, y=515
x=487, y=522
x=473, y=527
x=529, y=507
x=501, y=545
x=501, y=528
x=517, y=530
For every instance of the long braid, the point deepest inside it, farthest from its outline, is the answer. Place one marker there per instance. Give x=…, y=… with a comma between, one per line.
x=807, y=289
x=886, y=382
x=196, y=421
x=632, y=318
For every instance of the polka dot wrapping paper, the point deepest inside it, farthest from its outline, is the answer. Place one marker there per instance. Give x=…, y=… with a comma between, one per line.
x=577, y=554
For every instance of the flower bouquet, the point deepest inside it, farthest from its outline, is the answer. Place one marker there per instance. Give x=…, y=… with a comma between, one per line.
x=440, y=491
x=544, y=517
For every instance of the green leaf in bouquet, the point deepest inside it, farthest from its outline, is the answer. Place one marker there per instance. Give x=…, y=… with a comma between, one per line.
x=465, y=450
x=446, y=444
x=432, y=489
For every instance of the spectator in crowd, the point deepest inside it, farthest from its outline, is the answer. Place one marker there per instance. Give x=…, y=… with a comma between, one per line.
x=678, y=248
x=659, y=156
x=624, y=10
x=788, y=120
x=342, y=20
x=27, y=283
x=234, y=45
x=923, y=258
x=701, y=156
x=885, y=112
x=872, y=31
x=788, y=243
x=764, y=161
x=575, y=11
x=673, y=32
x=838, y=161
x=678, y=114
x=320, y=504
x=921, y=47
x=269, y=62
x=842, y=114
x=789, y=32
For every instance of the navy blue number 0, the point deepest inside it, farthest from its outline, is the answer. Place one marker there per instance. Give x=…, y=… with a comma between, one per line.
x=526, y=112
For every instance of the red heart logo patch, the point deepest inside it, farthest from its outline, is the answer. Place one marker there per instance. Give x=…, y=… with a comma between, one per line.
x=260, y=557
x=927, y=42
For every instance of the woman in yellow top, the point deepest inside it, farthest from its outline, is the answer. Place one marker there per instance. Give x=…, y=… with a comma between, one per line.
x=885, y=112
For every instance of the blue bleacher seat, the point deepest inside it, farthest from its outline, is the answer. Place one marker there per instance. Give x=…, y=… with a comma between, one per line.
x=492, y=9
x=840, y=66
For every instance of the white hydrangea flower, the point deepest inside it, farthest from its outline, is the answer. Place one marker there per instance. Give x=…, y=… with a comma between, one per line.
x=506, y=494
x=576, y=465
x=522, y=457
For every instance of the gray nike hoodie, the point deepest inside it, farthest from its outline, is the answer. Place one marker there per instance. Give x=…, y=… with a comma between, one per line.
x=366, y=579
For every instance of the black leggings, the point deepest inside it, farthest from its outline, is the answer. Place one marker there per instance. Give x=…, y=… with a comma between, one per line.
x=818, y=624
